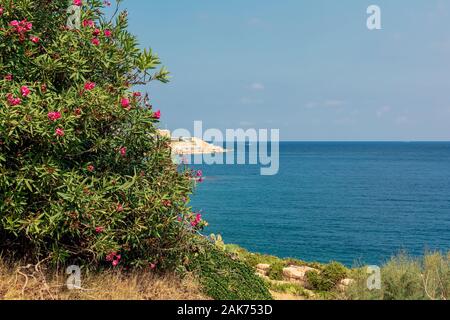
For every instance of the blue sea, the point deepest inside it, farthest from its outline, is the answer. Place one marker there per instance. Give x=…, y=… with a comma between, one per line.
x=353, y=202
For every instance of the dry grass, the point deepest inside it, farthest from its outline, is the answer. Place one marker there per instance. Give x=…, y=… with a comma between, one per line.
x=30, y=282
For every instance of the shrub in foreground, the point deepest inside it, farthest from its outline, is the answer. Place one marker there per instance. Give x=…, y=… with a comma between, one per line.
x=224, y=277
x=84, y=175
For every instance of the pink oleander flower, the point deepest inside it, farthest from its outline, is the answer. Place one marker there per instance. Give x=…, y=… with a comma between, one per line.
x=137, y=94
x=59, y=132
x=116, y=260
x=152, y=266
x=157, y=115
x=88, y=23
x=1, y=11
x=35, y=39
x=12, y=100
x=108, y=33
x=197, y=221
x=78, y=3
x=89, y=86
x=28, y=25
x=9, y=77
x=95, y=42
x=107, y=3
x=21, y=26
x=123, y=151
x=25, y=91
x=99, y=229
x=96, y=32
x=110, y=257
x=90, y=168
x=53, y=116
x=125, y=102
x=119, y=208
x=199, y=173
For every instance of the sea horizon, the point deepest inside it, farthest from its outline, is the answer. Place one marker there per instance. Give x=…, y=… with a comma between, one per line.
x=349, y=201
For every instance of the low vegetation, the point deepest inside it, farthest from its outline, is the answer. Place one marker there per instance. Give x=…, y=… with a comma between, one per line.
x=328, y=278
x=407, y=278
x=225, y=277
x=402, y=278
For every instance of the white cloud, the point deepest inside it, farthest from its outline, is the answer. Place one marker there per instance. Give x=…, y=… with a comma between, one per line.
x=330, y=103
x=383, y=110
x=257, y=86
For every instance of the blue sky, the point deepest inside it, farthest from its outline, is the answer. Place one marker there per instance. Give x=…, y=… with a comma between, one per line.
x=309, y=68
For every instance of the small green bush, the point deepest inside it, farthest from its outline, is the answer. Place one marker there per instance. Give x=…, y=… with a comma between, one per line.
x=226, y=278
x=328, y=278
x=276, y=270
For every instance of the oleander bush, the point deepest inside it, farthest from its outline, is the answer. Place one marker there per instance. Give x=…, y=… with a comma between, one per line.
x=84, y=175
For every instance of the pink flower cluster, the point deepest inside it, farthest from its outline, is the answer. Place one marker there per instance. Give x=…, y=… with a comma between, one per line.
x=96, y=32
x=88, y=23
x=53, y=116
x=199, y=176
x=157, y=115
x=197, y=220
x=125, y=102
x=13, y=101
x=25, y=91
x=22, y=27
x=114, y=258
x=60, y=132
x=89, y=86
x=1, y=11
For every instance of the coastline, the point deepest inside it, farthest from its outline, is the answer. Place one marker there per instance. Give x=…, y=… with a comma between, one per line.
x=193, y=146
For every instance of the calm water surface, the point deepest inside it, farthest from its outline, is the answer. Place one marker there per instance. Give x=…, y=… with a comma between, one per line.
x=350, y=202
